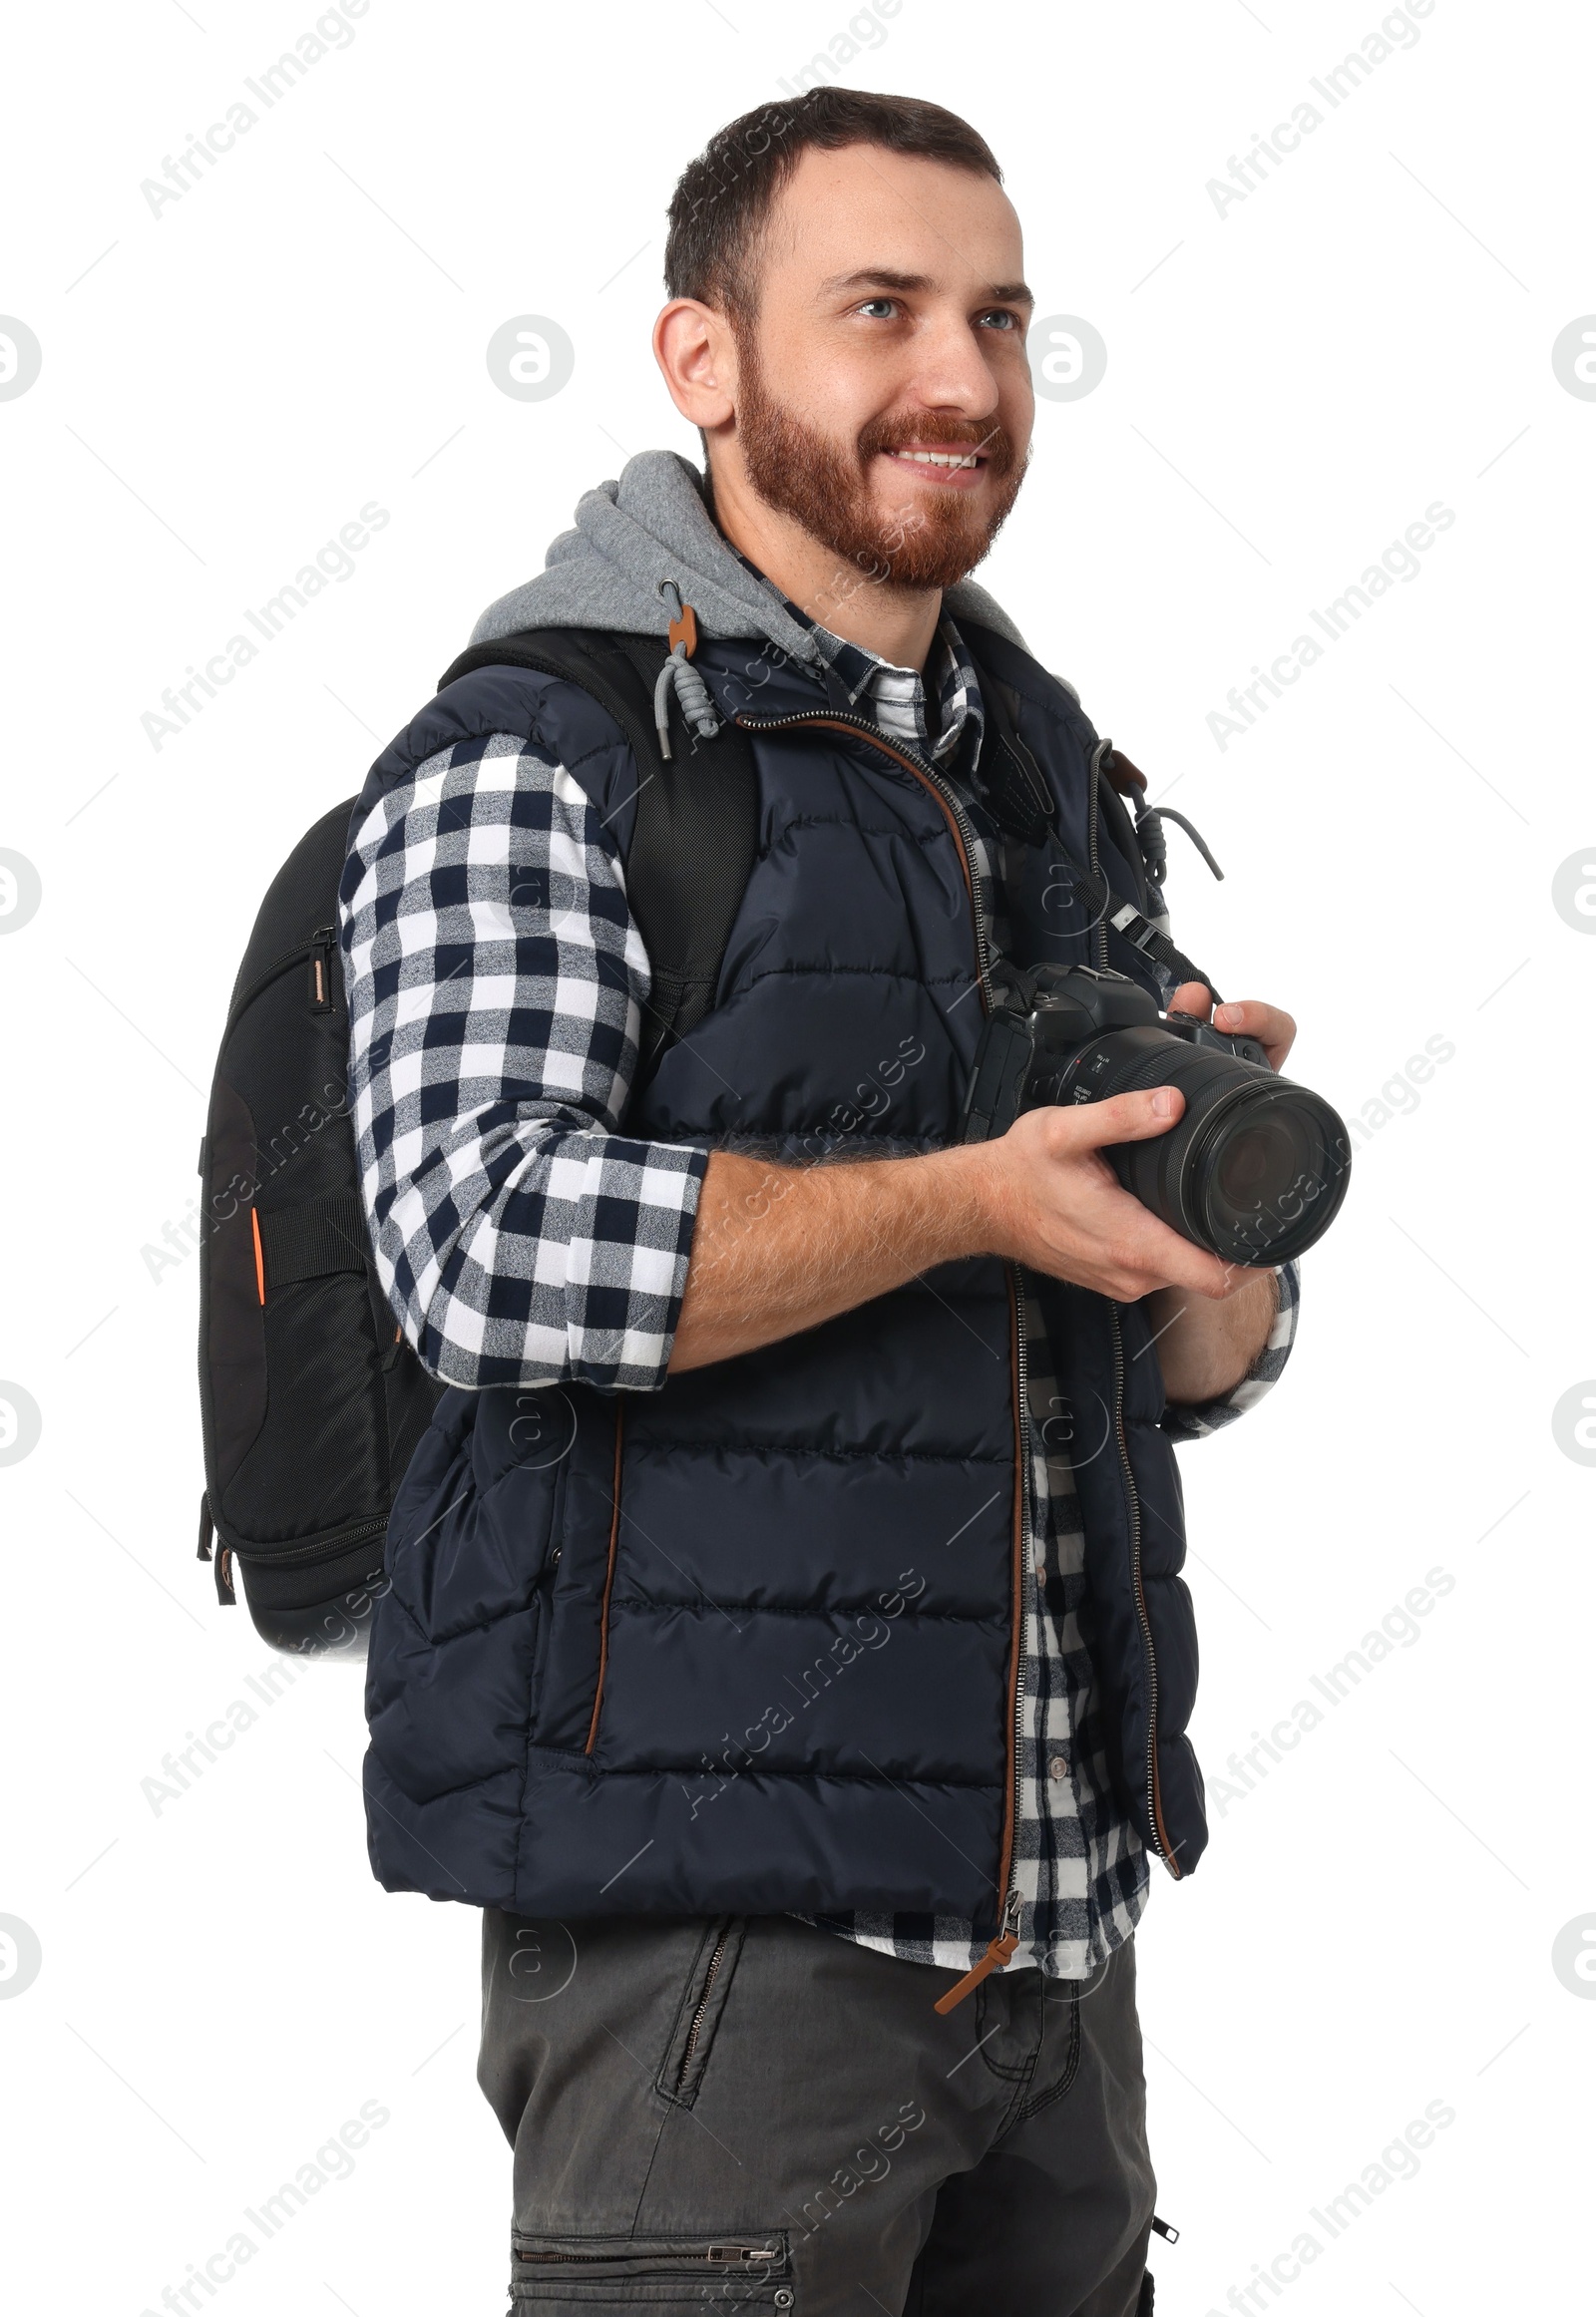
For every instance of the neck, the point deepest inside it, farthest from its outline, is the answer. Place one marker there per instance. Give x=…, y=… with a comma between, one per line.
x=898, y=623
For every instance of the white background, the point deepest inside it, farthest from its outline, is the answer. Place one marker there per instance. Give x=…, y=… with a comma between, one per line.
x=1289, y=386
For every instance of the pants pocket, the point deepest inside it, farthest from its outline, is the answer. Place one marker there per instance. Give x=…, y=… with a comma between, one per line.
x=699, y=2012
x=752, y=2267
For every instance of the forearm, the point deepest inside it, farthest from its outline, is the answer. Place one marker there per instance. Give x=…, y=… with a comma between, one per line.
x=1206, y=1348
x=778, y=1249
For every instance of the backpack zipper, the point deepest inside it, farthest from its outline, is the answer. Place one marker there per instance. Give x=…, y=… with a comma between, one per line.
x=1155, y=1812
x=1001, y=1949
x=325, y=1551
x=316, y=940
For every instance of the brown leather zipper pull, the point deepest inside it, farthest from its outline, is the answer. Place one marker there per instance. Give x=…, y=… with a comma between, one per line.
x=996, y=1955
x=998, y=1952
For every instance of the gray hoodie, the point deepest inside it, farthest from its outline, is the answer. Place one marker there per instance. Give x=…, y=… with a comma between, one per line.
x=651, y=525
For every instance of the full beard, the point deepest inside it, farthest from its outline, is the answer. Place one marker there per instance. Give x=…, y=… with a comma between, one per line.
x=825, y=487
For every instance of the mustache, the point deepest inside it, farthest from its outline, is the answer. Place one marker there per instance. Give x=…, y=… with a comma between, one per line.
x=921, y=434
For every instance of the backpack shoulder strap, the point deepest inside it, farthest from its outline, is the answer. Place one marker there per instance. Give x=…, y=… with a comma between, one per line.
x=696, y=822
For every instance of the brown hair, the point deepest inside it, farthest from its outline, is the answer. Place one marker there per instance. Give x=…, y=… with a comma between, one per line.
x=723, y=199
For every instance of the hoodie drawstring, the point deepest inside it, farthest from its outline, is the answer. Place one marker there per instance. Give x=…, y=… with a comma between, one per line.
x=692, y=693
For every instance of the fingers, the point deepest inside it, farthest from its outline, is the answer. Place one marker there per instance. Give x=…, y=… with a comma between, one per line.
x=1274, y=1028
x=1192, y=997
x=1151, y=1256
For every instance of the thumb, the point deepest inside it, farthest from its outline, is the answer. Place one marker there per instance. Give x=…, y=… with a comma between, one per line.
x=1130, y=1117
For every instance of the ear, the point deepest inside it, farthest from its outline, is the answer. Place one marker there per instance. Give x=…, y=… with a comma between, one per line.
x=697, y=355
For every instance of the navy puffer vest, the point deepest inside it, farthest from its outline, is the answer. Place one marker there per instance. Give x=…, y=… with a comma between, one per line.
x=750, y=1643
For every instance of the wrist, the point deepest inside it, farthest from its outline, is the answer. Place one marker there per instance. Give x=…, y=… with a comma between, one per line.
x=966, y=1191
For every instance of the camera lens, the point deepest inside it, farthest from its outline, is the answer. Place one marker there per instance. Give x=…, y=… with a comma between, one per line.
x=1254, y=1168
x=1267, y=1172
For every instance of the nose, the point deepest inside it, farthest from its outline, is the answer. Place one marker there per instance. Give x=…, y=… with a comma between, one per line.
x=950, y=370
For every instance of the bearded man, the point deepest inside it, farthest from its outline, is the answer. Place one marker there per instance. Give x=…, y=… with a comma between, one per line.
x=785, y=1644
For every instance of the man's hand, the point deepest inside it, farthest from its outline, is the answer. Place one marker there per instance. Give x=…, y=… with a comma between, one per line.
x=1054, y=1203
x=1203, y=1353
x=1250, y=1018
x=780, y=1249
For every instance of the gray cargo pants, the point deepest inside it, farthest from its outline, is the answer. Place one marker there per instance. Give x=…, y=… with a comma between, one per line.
x=750, y=2114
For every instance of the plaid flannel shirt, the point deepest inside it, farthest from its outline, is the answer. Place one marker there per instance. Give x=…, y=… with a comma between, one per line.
x=495, y=983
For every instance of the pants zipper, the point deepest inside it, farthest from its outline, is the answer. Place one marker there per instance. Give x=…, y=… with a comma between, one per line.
x=696, y=2027
x=712, y=2252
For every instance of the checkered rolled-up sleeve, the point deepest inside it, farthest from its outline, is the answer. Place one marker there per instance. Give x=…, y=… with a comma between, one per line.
x=1195, y=1423
x=496, y=981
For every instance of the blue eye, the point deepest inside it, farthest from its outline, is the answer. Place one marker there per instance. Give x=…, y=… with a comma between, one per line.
x=884, y=306
x=1002, y=316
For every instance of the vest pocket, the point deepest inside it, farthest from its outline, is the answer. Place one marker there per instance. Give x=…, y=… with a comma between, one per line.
x=583, y=1553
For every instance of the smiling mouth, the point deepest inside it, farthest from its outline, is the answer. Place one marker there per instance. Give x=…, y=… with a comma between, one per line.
x=948, y=461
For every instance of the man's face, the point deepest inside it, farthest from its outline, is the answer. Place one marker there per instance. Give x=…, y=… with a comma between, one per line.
x=882, y=395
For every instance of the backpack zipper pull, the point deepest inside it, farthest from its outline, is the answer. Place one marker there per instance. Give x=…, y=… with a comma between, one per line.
x=998, y=1952
x=322, y=970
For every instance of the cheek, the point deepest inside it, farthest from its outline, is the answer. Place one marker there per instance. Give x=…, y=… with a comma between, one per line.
x=1017, y=405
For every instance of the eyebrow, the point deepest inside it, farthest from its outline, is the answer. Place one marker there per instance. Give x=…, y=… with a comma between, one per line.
x=883, y=278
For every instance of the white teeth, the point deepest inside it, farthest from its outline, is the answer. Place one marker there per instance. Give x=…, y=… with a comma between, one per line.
x=939, y=458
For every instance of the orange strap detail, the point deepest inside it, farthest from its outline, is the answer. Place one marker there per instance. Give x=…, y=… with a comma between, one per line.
x=261, y=1261
x=684, y=630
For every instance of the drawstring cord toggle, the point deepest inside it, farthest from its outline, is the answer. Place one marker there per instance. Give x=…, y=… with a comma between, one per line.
x=692, y=693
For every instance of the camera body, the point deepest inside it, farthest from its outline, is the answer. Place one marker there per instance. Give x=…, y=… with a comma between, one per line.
x=1255, y=1167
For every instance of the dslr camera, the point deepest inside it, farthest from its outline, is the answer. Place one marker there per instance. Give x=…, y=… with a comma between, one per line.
x=1254, y=1168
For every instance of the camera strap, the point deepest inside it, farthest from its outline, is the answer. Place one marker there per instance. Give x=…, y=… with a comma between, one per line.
x=1100, y=900
x=1018, y=799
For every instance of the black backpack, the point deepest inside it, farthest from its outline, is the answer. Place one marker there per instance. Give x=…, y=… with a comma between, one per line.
x=312, y=1401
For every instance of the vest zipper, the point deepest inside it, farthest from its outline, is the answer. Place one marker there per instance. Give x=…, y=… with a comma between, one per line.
x=964, y=828
x=1001, y=1949
x=1155, y=1812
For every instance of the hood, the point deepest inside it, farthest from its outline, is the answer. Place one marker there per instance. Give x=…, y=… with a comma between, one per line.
x=653, y=524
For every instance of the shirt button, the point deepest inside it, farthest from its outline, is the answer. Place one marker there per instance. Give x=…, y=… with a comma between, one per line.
x=1041, y=1572
x=1059, y=1768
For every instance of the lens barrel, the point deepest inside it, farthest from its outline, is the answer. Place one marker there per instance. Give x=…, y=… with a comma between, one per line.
x=1254, y=1168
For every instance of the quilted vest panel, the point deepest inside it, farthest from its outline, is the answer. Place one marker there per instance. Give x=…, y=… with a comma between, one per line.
x=748, y=1643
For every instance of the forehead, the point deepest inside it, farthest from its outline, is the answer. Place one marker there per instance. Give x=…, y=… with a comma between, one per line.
x=842, y=213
